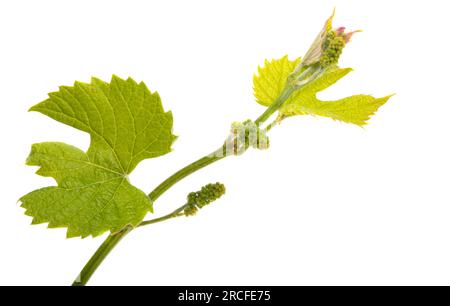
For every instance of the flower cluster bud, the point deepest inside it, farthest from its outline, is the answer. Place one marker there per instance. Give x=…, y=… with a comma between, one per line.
x=208, y=194
x=323, y=53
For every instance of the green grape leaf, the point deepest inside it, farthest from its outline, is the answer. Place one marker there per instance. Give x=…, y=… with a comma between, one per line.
x=127, y=124
x=271, y=79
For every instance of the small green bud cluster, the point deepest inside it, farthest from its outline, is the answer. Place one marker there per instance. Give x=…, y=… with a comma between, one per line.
x=332, y=49
x=208, y=194
x=246, y=134
x=323, y=53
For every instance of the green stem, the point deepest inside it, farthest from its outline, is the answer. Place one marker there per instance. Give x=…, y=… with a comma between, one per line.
x=176, y=213
x=285, y=94
x=111, y=242
x=272, y=125
x=189, y=169
x=99, y=256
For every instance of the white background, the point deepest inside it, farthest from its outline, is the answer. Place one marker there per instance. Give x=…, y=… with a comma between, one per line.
x=328, y=204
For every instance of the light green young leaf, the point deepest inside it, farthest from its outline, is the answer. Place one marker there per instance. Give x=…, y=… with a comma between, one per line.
x=354, y=109
x=271, y=79
x=127, y=124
